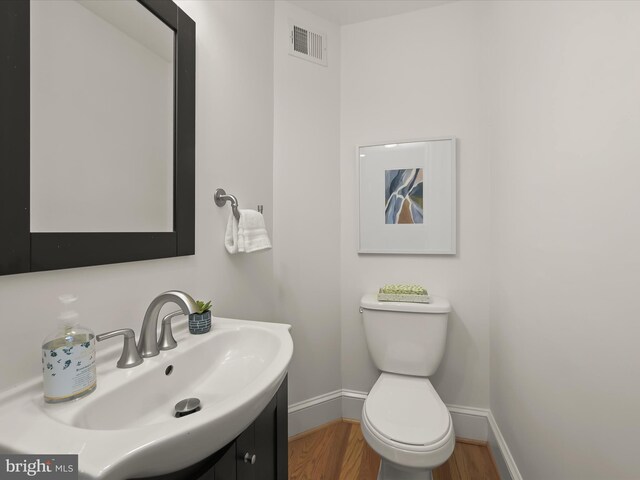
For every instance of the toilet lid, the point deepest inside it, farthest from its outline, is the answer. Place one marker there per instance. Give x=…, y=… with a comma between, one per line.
x=407, y=410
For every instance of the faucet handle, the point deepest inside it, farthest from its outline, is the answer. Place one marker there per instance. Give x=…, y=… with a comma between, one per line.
x=166, y=341
x=130, y=356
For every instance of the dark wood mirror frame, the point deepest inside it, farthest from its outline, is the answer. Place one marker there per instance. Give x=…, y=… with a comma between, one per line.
x=23, y=251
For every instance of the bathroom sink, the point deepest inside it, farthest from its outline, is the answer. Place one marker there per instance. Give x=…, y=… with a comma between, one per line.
x=127, y=428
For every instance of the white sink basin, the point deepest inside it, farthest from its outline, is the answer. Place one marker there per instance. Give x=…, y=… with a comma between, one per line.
x=127, y=428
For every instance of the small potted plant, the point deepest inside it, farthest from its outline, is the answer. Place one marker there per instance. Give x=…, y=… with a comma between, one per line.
x=200, y=322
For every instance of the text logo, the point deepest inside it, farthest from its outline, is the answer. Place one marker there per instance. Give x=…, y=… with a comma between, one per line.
x=50, y=467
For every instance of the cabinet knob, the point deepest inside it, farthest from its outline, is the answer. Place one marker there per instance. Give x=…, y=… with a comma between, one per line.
x=248, y=458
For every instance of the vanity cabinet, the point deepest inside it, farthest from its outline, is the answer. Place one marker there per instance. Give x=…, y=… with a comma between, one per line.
x=258, y=453
x=254, y=455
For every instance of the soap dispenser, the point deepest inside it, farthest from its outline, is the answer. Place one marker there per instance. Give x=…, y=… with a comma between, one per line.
x=68, y=358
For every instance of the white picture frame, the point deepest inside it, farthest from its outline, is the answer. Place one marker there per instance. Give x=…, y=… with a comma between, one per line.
x=407, y=197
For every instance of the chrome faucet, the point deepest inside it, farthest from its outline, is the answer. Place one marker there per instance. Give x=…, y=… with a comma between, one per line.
x=148, y=343
x=130, y=357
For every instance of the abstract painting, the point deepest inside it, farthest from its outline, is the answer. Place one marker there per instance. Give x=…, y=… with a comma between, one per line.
x=407, y=197
x=403, y=196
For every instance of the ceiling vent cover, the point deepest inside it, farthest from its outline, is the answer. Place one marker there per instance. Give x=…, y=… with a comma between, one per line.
x=303, y=43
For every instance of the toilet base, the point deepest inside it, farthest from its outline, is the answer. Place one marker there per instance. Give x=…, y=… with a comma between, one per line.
x=393, y=471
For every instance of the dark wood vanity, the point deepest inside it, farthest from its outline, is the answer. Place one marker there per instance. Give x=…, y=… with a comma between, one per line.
x=264, y=442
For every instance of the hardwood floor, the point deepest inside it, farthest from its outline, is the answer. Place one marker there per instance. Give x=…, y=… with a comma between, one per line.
x=338, y=451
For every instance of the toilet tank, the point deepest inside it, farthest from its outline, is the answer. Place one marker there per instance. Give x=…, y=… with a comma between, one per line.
x=405, y=338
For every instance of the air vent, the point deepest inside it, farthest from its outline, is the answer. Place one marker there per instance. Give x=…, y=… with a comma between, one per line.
x=303, y=43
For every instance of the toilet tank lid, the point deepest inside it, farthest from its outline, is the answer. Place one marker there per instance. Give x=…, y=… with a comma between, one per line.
x=437, y=305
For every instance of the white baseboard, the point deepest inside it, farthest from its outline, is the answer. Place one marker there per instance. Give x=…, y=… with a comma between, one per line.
x=506, y=464
x=468, y=422
x=314, y=412
x=352, y=402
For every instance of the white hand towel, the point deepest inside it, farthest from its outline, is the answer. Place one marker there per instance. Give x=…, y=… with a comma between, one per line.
x=248, y=234
x=231, y=235
x=252, y=233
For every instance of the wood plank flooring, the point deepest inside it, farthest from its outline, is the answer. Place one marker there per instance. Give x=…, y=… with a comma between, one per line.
x=338, y=451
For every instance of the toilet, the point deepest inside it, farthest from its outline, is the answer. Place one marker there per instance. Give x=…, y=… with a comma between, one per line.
x=403, y=418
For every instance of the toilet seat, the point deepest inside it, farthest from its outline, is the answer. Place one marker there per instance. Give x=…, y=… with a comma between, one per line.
x=405, y=421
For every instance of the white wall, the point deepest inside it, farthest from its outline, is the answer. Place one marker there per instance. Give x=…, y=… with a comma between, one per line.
x=234, y=149
x=306, y=173
x=565, y=362
x=416, y=76
x=543, y=97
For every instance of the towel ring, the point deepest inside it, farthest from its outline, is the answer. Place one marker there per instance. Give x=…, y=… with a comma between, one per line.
x=221, y=198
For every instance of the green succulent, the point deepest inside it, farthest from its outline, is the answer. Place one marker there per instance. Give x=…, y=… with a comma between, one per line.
x=203, y=307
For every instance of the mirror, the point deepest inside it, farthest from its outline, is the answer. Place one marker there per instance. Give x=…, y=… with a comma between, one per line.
x=101, y=118
x=98, y=133
x=407, y=200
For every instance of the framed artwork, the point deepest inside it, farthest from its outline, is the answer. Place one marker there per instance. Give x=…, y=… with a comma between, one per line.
x=407, y=198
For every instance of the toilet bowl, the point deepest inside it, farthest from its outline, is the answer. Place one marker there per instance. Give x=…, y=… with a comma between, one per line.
x=403, y=418
x=407, y=424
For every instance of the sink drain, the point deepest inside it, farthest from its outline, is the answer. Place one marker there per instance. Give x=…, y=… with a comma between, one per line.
x=187, y=407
